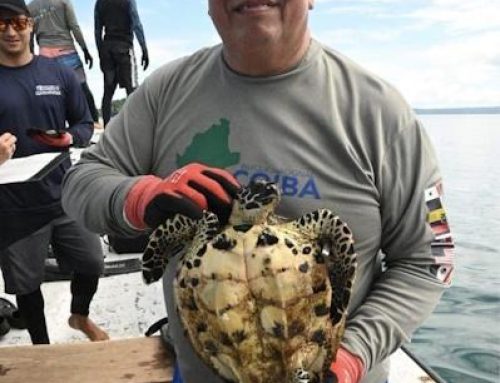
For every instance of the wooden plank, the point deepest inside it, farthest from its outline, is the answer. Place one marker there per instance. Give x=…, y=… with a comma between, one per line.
x=138, y=360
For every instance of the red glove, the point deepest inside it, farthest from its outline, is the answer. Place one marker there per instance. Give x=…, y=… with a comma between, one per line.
x=347, y=368
x=187, y=191
x=56, y=140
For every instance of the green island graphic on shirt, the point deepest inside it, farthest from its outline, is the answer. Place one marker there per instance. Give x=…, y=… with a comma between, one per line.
x=210, y=147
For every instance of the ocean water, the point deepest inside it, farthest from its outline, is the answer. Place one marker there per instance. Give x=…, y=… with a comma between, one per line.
x=461, y=340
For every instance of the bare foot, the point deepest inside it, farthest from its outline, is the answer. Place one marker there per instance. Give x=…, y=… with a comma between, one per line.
x=89, y=328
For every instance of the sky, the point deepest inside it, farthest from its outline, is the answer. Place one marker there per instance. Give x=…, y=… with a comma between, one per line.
x=438, y=53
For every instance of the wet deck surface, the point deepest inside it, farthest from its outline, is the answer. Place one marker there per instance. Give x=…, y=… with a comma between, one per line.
x=123, y=306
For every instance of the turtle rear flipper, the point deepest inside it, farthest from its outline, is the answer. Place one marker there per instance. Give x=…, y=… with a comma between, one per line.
x=338, y=253
x=340, y=259
x=171, y=237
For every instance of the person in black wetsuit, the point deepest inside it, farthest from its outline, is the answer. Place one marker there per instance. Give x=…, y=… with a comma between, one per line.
x=120, y=21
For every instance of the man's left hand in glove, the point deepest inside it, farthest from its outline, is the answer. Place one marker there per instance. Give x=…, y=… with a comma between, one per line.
x=52, y=138
x=88, y=58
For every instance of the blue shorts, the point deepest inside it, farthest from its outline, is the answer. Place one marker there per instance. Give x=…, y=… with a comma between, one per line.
x=73, y=61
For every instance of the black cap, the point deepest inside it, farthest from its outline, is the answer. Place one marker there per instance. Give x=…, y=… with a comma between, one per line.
x=18, y=6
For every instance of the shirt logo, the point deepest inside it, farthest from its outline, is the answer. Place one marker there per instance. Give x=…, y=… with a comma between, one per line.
x=45, y=12
x=47, y=90
x=211, y=147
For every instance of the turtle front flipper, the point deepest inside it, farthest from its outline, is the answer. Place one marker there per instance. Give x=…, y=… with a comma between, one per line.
x=169, y=237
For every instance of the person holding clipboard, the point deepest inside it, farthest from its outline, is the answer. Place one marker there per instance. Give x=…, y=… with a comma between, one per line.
x=43, y=106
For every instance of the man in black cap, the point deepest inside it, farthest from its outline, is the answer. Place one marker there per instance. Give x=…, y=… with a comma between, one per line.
x=15, y=6
x=43, y=107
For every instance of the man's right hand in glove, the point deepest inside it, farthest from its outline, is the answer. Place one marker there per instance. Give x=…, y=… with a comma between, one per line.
x=187, y=191
x=347, y=368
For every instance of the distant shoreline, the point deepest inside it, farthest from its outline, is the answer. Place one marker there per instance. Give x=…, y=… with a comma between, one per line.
x=117, y=104
x=481, y=110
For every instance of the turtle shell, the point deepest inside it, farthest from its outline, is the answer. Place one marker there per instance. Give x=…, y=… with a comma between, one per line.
x=256, y=304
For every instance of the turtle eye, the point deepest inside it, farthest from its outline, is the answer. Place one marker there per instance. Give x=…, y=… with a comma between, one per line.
x=269, y=193
x=272, y=188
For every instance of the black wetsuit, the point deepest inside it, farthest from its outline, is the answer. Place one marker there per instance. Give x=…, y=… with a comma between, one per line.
x=119, y=20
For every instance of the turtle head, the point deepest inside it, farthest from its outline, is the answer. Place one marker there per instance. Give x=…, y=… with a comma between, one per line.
x=255, y=203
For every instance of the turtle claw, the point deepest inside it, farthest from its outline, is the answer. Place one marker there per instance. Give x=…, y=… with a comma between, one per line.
x=152, y=275
x=303, y=376
x=331, y=377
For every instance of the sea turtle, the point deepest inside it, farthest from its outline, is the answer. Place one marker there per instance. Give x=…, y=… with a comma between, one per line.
x=262, y=299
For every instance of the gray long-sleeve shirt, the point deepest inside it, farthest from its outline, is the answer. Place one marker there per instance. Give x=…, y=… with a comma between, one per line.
x=329, y=133
x=55, y=22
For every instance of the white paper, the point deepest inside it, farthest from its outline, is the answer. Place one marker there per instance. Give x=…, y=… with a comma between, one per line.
x=74, y=154
x=23, y=168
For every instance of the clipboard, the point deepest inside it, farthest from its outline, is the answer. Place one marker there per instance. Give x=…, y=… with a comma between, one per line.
x=51, y=166
x=32, y=203
x=30, y=168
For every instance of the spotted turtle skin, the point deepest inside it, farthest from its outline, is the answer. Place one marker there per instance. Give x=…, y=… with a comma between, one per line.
x=262, y=299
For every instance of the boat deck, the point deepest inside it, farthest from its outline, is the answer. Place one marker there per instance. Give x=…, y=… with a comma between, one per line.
x=125, y=307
